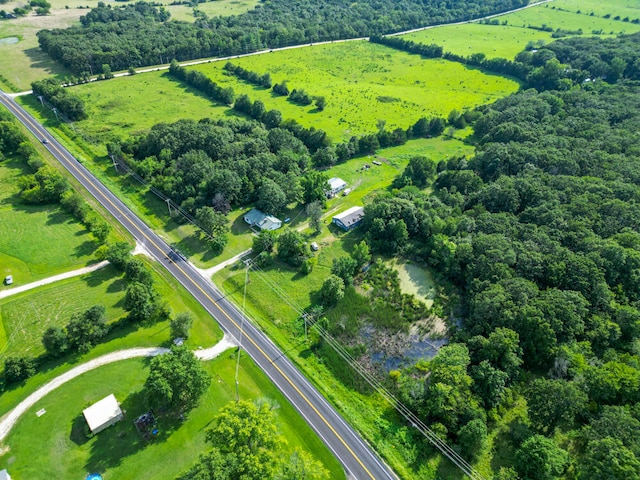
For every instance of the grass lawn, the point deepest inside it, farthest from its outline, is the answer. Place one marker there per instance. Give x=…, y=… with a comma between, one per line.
x=364, y=83
x=506, y=41
x=118, y=452
x=61, y=243
x=26, y=316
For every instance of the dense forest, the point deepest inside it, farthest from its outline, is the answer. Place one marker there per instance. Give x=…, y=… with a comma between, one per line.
x=139, y=35
x=538, y=234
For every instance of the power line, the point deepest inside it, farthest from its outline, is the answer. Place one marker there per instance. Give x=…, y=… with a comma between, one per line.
x=410, y=416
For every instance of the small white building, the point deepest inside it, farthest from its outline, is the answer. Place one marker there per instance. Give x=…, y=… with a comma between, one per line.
x=336, y=185
x=256, y=218
x=4, y=475
x=8, y=280
x=103, y=414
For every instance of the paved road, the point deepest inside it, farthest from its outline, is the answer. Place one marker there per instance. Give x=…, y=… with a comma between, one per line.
x=359, y=461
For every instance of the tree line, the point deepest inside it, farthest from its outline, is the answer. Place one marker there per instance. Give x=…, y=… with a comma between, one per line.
x=538, y=235
x=140, y=35
x=67, y=103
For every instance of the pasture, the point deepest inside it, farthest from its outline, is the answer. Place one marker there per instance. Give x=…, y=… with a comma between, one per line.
x=513, y=34
x=119, y=452
x=364, y=83
x=61, y=243
x=214, y=8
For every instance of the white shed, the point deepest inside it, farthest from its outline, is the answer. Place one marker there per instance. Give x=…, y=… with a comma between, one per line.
x=4, y=475
x=103, y=414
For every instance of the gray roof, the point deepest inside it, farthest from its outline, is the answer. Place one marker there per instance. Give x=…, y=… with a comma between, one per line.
x=254, y=216
x=350, y=216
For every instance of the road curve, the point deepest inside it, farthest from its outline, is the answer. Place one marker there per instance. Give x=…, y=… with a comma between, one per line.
x=357, y=458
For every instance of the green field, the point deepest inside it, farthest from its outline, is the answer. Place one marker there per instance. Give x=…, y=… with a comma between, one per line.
x=364, y=83
x=119, y=452
x=26, y=316
x=215, y=8
x=507, y=40
x=61, y=243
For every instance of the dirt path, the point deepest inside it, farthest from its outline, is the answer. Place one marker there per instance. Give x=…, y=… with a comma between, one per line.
x=208, y=272
x=55, y=278
x=9, y=420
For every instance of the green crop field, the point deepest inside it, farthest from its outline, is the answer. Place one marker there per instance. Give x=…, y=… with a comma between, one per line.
x=119, y=452
x=61, y=243
x=364, y=83
x=513, y=35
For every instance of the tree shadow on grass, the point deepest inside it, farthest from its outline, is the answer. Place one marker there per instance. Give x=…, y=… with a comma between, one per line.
x=85, y=249
x=112, y=445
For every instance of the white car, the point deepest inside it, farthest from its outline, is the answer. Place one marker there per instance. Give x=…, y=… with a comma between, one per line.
x=8, y=280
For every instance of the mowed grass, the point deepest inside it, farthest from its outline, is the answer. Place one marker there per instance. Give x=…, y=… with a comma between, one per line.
x=571, y=20
x=119, y=452
x=26, y=316
x=36, y=241
x=495, y=41
x=506, y=41
x=363, y=83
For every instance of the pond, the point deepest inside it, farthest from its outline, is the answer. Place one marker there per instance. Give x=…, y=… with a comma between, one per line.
x=415, y=280
x=9, y=40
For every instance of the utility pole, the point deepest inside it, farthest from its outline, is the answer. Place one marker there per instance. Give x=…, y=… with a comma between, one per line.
x=115, y=164
x=168, y=200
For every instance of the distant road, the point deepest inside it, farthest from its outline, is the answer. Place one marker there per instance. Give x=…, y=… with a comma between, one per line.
x=357, y=458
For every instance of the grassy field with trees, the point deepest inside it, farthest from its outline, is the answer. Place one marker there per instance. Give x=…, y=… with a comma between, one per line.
x=363, y=84
x=120, y=450
x=507, y=35
x=378, y=84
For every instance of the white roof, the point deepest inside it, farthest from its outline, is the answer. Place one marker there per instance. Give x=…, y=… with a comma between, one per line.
x=348, y=212
x=336, y=182
x=4, y=475
x=102, y=412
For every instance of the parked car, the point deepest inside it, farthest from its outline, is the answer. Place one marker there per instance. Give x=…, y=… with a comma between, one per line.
x=346, y=192
x=8, y=280
x=315, y=247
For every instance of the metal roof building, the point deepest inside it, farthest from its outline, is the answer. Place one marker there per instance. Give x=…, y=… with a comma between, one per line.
x=103, y=414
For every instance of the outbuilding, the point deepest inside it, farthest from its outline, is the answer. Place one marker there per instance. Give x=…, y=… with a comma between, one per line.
x=336, y=185
x=103, y=414
x=350, y=218
x=8, y=280
x=4, y=475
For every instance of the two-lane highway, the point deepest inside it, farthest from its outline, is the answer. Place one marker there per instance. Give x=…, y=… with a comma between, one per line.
x=359, y=461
